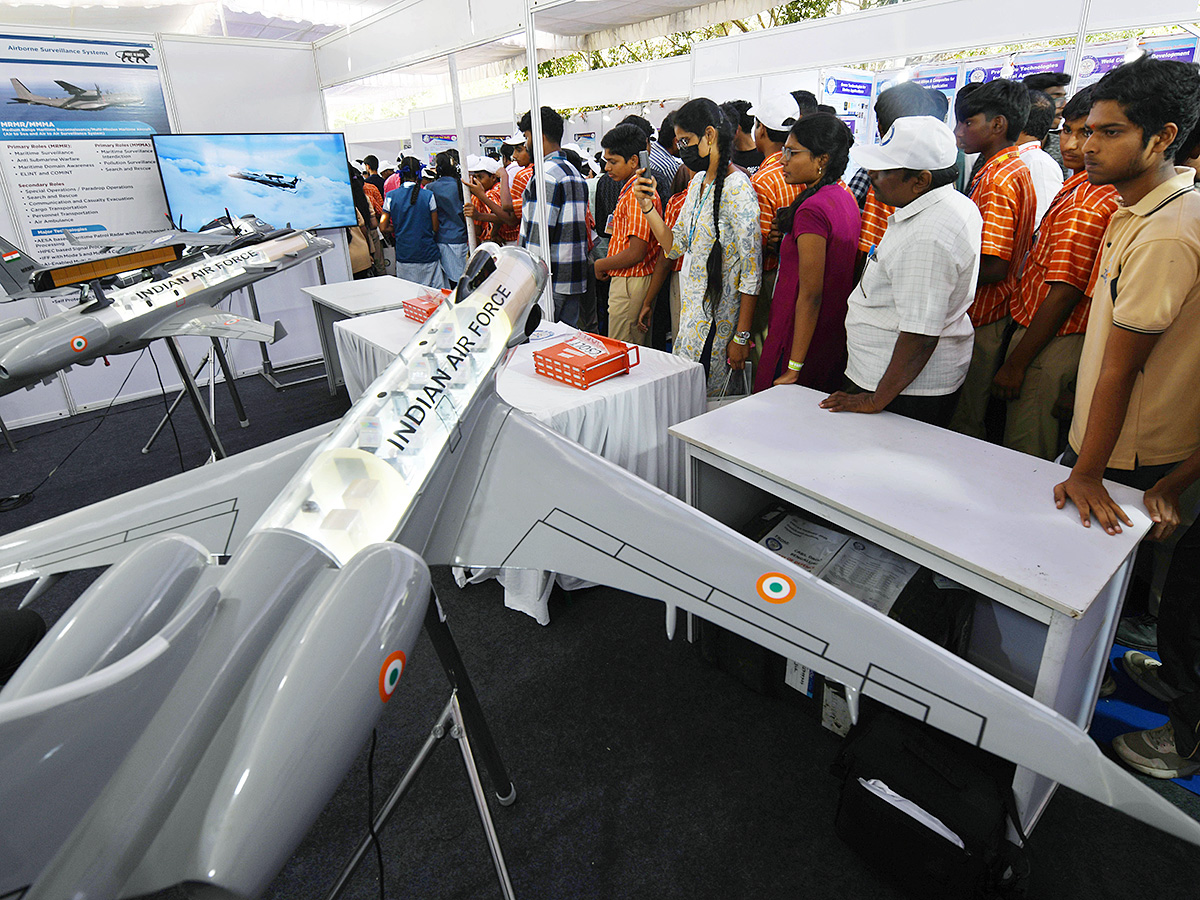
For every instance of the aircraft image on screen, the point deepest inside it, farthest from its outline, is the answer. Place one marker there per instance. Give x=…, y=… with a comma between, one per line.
x=78, y=98
x=129, y=300
x=189, y=716
x=276, y=181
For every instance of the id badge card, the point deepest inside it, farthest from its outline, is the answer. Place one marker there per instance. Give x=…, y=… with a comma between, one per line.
x=608, y=226
x=686, y=271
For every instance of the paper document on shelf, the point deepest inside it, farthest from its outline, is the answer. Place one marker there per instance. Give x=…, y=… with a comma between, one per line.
x=869, y=573
x=804, y=543
x=902, y=803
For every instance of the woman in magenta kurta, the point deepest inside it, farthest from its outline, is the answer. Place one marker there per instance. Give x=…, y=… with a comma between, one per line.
x=806, y=337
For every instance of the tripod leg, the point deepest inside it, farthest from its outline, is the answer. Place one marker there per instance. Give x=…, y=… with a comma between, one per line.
x=233, y=391
x=459, y=732
x=190, y=384
x=447, y=651
x=7, y=437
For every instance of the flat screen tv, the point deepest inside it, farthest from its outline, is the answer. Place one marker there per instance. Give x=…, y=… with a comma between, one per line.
x=299, y=180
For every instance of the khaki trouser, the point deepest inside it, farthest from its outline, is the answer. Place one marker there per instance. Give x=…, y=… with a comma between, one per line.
x=762, y=315
x=625, y=296
x=1030, y=425
x=973, y=397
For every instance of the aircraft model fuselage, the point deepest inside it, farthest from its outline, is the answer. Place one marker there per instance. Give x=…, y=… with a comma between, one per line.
x=283, y=182
x=170, y=303
x=78, y=98
x=187, y=718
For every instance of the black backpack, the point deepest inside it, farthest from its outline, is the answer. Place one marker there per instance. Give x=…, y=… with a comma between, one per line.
x=966, y=788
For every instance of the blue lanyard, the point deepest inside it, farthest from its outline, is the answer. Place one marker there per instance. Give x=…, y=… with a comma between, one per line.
x=696, y=215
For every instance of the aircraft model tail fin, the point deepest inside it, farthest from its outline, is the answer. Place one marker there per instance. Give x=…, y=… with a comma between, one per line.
x=15, y=268
x=614, y=529
x=24, y=95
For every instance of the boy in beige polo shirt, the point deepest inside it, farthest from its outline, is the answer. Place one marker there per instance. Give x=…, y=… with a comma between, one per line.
x=1137, y=404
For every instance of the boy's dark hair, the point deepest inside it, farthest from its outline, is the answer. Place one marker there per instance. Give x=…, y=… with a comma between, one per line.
x=735, y=112
x=905, y=99
x=1042, y=110
x=806, y=100
x=643, y=124
x=625, y=141
x=826, y=108
x=552, y=125
x=666, y=132
x=1153, y=92
x=1079, y=105
x=371, y=161
x=1039, y=81
x=1000, y=97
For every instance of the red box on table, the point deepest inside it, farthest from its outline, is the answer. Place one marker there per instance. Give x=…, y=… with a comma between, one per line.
x=586, y=359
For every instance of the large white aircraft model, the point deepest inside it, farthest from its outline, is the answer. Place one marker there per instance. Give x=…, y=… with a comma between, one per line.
x=189, y=716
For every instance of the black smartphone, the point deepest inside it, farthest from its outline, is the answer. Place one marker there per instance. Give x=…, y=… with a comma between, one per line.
x=644, y=162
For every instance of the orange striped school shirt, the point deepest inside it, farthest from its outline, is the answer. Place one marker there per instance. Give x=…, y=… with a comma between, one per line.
x=773, y=193
x=1065, y=249
x=1003, y=191
x=519, y=182
x=629, y=222
x=483, y=230
x=874, y=222
x=671, y=216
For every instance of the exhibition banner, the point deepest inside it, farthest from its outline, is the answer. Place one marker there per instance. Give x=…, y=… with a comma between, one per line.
x=106, y=189
x=1103, y=58
x=71, y=88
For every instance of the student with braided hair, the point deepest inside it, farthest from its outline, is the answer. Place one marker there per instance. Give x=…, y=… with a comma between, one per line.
x=410, y=215
x=806, y=340
x=718, y=237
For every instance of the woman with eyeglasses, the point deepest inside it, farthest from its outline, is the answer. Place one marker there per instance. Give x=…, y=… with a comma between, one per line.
x=718, y=237
x=806, y=338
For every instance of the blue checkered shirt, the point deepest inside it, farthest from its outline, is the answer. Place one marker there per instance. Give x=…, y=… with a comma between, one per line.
x=566, y=220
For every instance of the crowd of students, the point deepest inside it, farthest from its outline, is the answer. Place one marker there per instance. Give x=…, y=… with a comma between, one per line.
x=1030, y=276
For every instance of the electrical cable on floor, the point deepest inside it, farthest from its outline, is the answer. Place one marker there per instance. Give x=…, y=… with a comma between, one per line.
x=167, y=407
x=371, y=810
x=16, y=501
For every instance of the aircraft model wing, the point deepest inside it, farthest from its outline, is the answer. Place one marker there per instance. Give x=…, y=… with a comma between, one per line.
x=162, y=239
x=214, y=505
x=218, y=324
x=70, y=88
x=606, y=525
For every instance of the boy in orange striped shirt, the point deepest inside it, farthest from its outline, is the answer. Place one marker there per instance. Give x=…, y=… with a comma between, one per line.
x=1050, y=307
x=510, y=233
x=632, y=250
x=990, y=117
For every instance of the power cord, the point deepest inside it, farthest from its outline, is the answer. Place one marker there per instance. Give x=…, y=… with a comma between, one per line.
x=167, y=407
x=371, y=810
x=16, y=501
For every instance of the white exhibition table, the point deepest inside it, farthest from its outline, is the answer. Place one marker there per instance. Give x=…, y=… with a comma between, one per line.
x=624, y=419
x=348, y=299
x=974, y=512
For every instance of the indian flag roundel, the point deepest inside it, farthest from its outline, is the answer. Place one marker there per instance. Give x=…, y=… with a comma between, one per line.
x=775, y=587
x=389, y=675
x=79, y=343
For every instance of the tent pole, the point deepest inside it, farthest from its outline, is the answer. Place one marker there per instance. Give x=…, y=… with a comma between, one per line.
x=461, y=139
x=1080, y=38
x=539, y=164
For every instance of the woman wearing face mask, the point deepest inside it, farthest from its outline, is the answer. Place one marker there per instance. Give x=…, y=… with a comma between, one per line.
x=806, y=341
x=718, y=237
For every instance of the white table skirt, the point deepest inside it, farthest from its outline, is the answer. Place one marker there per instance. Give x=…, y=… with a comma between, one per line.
x=625, y=419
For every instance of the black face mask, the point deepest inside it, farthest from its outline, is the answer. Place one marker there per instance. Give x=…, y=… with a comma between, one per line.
x=690, y=157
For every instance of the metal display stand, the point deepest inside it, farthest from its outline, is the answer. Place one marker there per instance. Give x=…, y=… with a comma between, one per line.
x=269, y=370
x=189, y=385
x=462, y=719
x=243, y=420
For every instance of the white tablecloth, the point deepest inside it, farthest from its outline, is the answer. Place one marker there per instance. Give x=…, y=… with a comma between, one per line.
x=625, y=419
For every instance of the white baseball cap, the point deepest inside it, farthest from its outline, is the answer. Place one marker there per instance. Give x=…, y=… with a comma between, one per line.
x=516, y=139
x=913, y=142
x=483, y=164
x=778, y=113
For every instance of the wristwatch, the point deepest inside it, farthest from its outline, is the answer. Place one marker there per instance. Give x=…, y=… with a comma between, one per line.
x=741, y=337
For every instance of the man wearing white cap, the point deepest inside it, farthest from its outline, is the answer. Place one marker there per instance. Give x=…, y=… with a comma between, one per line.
x=491, y=203
x=774, y=118
x=908, y=336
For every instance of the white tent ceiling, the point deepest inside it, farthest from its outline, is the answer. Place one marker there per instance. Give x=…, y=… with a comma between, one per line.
x=281, y=20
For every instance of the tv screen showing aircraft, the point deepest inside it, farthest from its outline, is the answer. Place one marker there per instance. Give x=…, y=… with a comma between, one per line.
x=299, y=180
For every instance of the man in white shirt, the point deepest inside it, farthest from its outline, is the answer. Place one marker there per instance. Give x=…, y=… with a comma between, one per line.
x=908, y=336
x=1047, y=174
